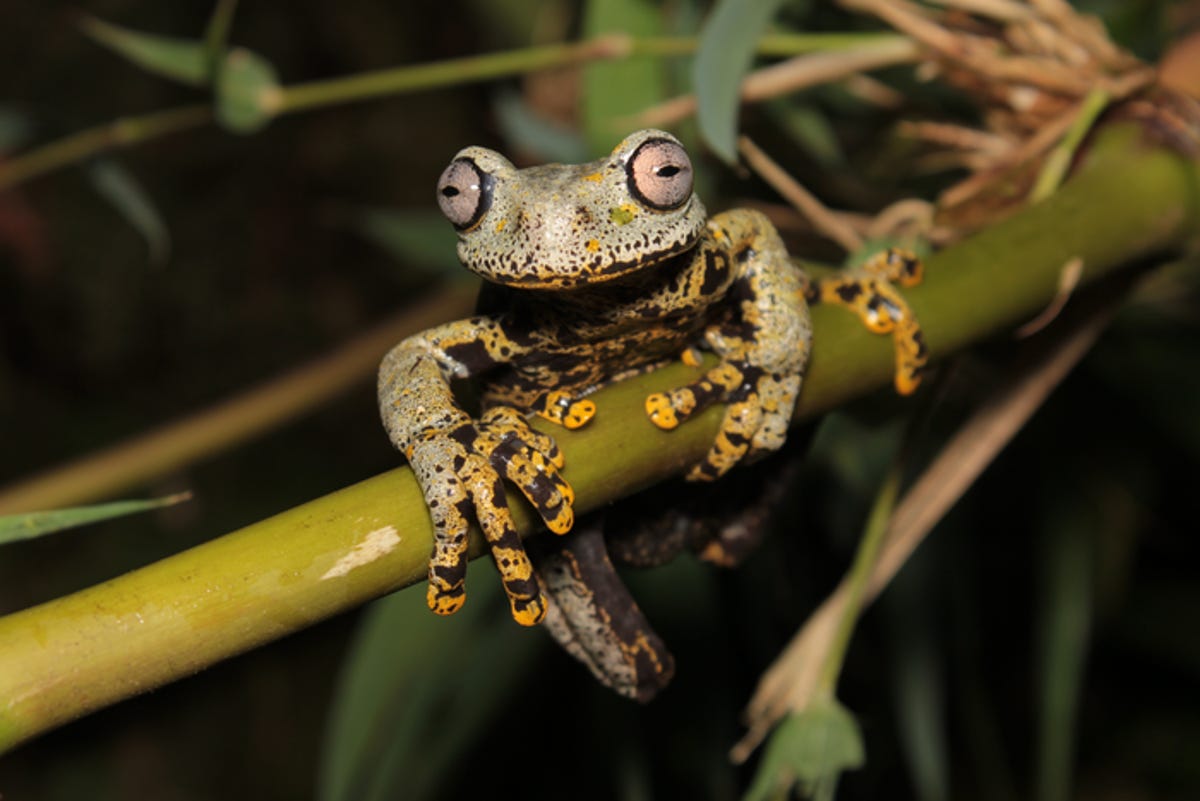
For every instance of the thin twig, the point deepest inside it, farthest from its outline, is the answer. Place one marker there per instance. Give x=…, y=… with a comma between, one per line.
x=84, y=144
x=791, y=76
x=1068, y=279
x=823, y=220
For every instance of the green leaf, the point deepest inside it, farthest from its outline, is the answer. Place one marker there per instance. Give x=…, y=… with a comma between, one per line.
x=417, y=690
x=216, y=32
x=36, y=524
x=1064, y=624
x=619, y=88
x=808, y=752
x=180, y=60
x=414, y=237
x=118, y=186
x=726, y=51
x=248, y=92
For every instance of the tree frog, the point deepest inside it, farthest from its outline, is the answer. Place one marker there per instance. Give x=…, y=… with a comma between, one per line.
x=595, y=272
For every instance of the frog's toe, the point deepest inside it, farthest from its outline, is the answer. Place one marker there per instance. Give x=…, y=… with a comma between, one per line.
x=516, y=571
x=777, y=399
x=528, y=612
x=564, y=408
x=512, y=428
x=539, y=481
x=447, y=498
x=445, y=601
x=668, y=409
x=549, y=493
x=742, y=421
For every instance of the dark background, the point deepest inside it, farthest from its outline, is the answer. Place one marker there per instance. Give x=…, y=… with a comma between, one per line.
x=268, y=268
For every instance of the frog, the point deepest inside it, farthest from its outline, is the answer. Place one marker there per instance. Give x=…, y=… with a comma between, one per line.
x=595, y=272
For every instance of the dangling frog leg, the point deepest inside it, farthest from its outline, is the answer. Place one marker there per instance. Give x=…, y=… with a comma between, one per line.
x=459, y=462
x=594, y=618
x=763, y=349
x=870, y=291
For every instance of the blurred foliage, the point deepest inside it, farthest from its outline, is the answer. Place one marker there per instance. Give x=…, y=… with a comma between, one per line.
x=1042, y=644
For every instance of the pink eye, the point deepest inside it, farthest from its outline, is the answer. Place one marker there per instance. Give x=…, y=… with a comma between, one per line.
x=660, y=174
x=464, y=193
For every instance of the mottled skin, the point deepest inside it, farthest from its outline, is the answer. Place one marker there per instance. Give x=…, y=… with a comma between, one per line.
x=597, y=271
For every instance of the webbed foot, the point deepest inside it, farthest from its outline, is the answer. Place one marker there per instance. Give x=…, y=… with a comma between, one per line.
x=461, y=470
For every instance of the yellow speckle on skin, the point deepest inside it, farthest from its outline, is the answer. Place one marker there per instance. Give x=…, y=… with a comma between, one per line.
x=623, y=214
x=594, y=177
x=501, y=224
x=593, y=245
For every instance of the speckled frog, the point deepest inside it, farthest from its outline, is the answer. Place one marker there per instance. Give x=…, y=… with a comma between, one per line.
x=599, y=271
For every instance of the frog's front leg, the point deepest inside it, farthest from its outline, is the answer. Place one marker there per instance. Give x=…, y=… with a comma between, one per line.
x=461, y=463
x=763, y=349
x=870, y=291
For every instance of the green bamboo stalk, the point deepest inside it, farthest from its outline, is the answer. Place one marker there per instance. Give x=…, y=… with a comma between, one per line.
x=93, y=648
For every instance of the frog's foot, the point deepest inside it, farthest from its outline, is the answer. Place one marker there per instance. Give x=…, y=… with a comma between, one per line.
x=869, y=291
x=565, y=409
x=460, y=470
x=759, y=408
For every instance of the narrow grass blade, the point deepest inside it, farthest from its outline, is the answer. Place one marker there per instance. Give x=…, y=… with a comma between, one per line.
x=181, y=60
x=14, y=528
x=118, y=186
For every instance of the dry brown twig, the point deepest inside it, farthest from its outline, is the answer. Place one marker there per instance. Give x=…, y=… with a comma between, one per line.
x=1030, y=65
x=790, y=76
x=826, y=222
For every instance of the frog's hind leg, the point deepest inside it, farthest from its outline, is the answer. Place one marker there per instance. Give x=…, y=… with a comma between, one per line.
x=722, y=528
x=870, y=291
x=594, y=618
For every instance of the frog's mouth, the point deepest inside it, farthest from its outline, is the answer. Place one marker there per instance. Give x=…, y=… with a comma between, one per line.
x=590, y=272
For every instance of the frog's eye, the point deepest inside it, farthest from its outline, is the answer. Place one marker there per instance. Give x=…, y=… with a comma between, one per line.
x=464, y=193
x=660, y=174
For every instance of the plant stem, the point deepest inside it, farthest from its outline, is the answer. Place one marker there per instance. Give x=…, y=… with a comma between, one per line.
x=157, y=624
x=489, y=66
x=864, y=561
x=91, y=142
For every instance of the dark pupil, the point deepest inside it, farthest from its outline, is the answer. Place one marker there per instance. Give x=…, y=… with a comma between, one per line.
x=668, y=171
x=449, y=191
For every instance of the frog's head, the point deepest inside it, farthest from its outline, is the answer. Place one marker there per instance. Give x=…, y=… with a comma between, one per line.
x=560, y=226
